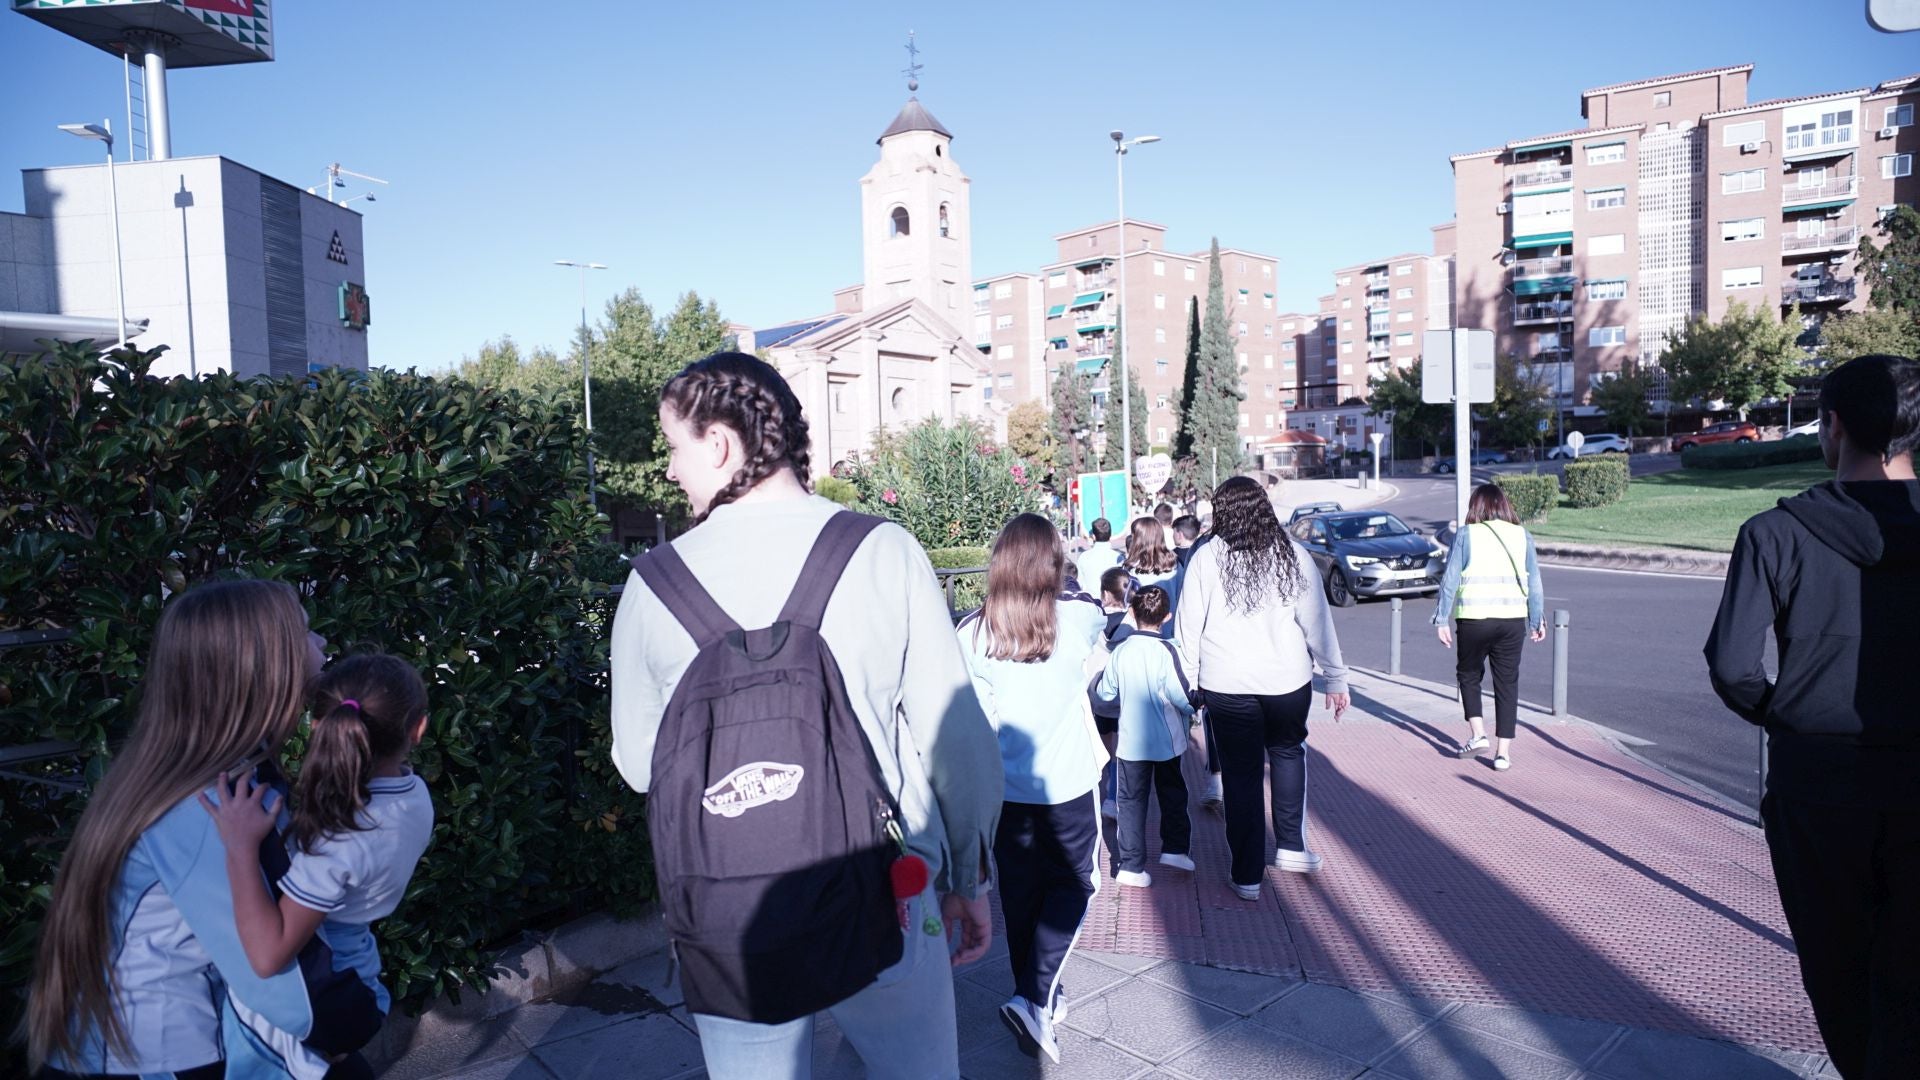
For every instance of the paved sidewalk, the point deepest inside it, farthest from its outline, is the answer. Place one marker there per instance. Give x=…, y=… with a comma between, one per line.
x=1348, y=493
x=1582, y=915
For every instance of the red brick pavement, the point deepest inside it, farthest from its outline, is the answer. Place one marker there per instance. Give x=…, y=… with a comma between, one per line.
x=1581, y=883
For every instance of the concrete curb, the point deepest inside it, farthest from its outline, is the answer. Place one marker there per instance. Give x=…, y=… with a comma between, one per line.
x=1663, y=560
x=537, y=967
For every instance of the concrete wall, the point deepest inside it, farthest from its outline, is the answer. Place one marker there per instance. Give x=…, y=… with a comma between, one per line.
x=25, y=278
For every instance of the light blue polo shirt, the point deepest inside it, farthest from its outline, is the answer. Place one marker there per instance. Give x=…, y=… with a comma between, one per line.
x=1039, y=708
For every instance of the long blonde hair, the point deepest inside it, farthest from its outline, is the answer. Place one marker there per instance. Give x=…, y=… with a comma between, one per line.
x=224, y=686
x=1024, y=579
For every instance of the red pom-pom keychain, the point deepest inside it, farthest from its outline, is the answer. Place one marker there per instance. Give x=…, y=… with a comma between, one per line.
x=909, y=873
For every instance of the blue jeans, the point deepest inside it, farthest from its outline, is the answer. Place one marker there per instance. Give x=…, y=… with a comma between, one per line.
x=902, y=1025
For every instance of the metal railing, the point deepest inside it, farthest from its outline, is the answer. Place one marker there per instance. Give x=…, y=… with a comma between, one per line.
x=1544, y=311
x=1092, y=349
x=1833, y=238
x=1839, y=187
x=1553, y=266
x=1806, y=291
x=1538, y=176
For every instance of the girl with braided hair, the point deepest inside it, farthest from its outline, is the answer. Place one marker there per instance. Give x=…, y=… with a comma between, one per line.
x=738, y=448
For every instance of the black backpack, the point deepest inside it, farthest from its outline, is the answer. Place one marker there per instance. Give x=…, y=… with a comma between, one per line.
x=773, y=829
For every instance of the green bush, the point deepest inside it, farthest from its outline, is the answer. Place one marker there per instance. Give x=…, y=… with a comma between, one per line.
x=945, y=485
x=841, y=491
x=969, y=590
x=421, y=516
x=1752, y=455
x=1598, y=481
x=1532, y=494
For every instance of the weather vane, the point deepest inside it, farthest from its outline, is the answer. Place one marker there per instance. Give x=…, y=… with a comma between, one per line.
x=912, y=70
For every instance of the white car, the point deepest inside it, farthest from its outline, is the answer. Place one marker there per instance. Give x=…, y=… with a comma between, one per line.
x=1811, y=427
x=1595, y=444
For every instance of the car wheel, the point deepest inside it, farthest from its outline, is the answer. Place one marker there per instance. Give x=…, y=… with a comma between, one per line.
x=1337, y=592
x=1743, y=439
x=1443, y=469
x=1684, y=446
x=1611, y=450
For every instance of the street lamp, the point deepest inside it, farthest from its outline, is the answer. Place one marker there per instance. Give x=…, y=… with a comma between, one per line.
x=586, y=368
x=104, y=132
x=1121, y=144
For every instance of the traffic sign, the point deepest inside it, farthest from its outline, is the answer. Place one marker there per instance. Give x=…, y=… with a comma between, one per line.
x=1438, y=360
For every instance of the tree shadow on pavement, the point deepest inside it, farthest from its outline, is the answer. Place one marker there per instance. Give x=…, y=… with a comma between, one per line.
x=1442, y=744
x=1704, y=804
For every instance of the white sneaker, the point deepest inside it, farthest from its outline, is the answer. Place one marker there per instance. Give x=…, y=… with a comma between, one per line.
x=1478, y=742
x=1139, y=879
x=1300, y=862
x=1178, y=862
x=1032, y=1030
x=1249, y=893
x=1109, y=809
x=1214, y=799
x=1502, y=763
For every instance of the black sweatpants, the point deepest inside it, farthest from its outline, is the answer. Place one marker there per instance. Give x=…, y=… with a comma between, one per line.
x=1255, y=732
x=1478, y=642
x=1849, y=881
x=1138, y=780
x=1046, y=858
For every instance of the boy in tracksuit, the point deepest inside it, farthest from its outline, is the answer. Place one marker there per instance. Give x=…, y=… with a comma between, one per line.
x=1834, y=574
x=1144, y=680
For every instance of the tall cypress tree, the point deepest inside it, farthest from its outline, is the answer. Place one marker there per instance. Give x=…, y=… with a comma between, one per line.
x=1189, y=382
x=1212, y=420
x=1137, y=408
x=1072, y=412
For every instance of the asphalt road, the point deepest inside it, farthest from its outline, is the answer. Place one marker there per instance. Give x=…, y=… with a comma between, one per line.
x=1634, y=663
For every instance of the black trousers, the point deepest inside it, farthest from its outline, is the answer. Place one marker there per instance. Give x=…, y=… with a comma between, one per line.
x=1256, y=732
x=1849, y=881
x=1138, y=780
x=352, y=1067
x=1478, y=642
x=1046, y=858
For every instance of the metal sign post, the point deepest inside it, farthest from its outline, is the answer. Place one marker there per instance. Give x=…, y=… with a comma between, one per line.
x=1455, y=361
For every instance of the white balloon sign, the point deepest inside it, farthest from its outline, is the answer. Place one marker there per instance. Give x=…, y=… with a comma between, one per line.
x=1152, y=472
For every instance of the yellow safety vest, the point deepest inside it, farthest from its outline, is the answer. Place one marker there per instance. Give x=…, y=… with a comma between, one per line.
x=1493, y=584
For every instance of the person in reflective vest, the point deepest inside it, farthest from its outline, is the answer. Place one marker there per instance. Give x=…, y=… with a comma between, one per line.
x=1492, y=593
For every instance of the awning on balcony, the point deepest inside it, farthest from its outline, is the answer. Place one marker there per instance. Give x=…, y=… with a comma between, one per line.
x=1536, y=286
x=1058, y=343
x=1091, y=366
x=1268, y=295
x=1532, y=191
x=1088, y=299
x=1528, y=148
x=1093, y=328
x=1824, y=204
x=1539, y=240
x=1056, y=311
x=1598, y=145
x=1100, y=260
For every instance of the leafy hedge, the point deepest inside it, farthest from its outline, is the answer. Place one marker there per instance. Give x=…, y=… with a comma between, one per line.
x=421, y=516
x=1532, y=494
x=945, y=485
x=969, y=590
x=1752, y=455
x=1598, y=481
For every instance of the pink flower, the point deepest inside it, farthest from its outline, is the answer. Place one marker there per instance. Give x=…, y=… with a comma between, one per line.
x=890, y=496
x=1019, y=471
x=988, y=449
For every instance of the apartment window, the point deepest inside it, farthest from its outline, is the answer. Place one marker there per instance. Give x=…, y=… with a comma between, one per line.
x=1745, y=277
x=1002, y=322
x=1743, y=229
x=1287, y=346
x=1266, y=269
x=1160, y=402
x=1057, y=279
x=1802, y=136
x=1003, y=352
x=1895, y=166
x=1241, y=330
x=1269, y=415
x=1607, y=335
x=1606, y=198
x=1346, y=302
x=1882, y=213
x=1346, y=346
x=1093, y=241
x=1326, y=344
x=1344, y=280
x=1267, y=302
x=1159, y=301
x=1609, y=244
x=1189, y=271
x=1403, y=270
x=1346, y=369
x=1733, y=183
x=1403, y=316
x=1403, y=339
x=1404, y=294
x=1752, y=131
x=1162, y=437
x=1160, y=367
x=1615, y=289
x=1662, y=128
x=1662, y=99
x=1287, y=364
x=1159, y=335
x=1243, y=361
x=1006, y=381
x=1897, y=116
x=1606, y=153
x=1003, y=290
x=1159, y=268
x=1244, y=421
x=1266, y=361
x=1836, y=128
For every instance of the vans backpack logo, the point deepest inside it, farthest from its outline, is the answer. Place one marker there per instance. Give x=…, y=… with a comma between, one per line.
x=754, y=784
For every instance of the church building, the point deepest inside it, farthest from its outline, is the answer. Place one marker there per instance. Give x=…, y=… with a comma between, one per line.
x=893, y=351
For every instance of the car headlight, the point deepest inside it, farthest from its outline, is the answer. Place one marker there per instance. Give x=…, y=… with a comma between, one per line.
x=1358, y=561
x=1437, y=553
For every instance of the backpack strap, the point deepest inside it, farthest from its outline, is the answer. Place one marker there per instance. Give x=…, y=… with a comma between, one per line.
x=841, y=537
x=667, y=575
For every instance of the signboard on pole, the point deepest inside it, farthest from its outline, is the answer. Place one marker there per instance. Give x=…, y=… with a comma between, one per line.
x=1437, y=363
x=1104, y=495
x=1152, y=472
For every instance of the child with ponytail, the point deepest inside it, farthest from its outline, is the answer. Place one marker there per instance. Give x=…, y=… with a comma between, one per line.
x=361, y=820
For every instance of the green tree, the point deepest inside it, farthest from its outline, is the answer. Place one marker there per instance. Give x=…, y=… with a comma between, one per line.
x=1746, y=357
x=1210, y=406
x=1892, y=270
x=1398, y=391
x=634, y=353
x=1624, y=398
x=501, y=365
x=1072, y=422
x=1115, y=452
x=1863, y=333
x=1028, y=434
x=1520, y=401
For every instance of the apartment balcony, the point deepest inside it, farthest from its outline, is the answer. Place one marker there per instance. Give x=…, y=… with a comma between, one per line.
x=1838, y=191
x=1552, y=354
x=1542, y=312
x=1552, y=267
x=1097, y=281
x=1379, y=350
x=1817, y=243
x=1816, y=291
x=1377, y=283
x=1533, y=176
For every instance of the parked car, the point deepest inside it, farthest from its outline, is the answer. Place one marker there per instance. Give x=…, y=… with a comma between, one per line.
x=1595, y=444
x=1309, y=509
x=1811, y=427
x=1370, y=553
x=1479, y=458
x=1734, y=431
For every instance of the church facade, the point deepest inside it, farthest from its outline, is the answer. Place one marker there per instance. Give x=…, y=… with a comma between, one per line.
x=893, y=351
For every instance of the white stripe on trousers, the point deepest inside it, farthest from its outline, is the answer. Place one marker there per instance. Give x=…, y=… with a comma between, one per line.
x=1093, y=877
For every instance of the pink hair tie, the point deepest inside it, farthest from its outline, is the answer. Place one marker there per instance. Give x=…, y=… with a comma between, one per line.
x=350, y=702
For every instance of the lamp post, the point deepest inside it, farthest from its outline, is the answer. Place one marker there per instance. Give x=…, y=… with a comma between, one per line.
x=586, y=369
x=104, y=132
x=1121, y=144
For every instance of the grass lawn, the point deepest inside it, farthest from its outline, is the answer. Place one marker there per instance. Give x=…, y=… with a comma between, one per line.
x=1700, y=509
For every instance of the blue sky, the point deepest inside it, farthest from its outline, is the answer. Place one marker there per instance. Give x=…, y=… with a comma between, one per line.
x=717, y=147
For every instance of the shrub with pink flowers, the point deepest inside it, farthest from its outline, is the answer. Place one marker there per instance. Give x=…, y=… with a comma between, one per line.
x=948, y=485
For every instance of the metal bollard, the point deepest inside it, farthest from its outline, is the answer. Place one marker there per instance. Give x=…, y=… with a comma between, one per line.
x=1560, y=620
x=1393, y=642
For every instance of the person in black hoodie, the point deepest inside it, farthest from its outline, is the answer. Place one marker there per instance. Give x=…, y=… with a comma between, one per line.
x=1834, y=572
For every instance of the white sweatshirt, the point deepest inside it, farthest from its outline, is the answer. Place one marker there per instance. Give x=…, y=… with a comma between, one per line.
x=1269, y=650
x=889, y=629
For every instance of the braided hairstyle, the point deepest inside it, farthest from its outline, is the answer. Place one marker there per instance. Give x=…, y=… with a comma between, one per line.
x=752, y=399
